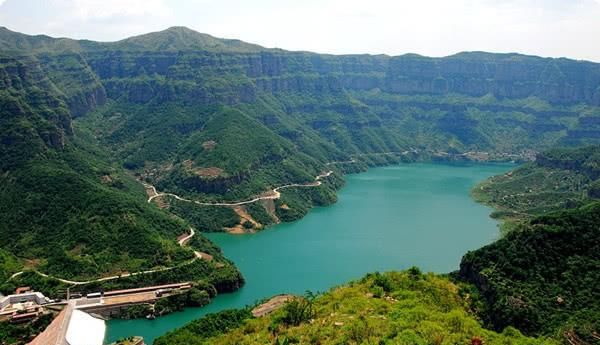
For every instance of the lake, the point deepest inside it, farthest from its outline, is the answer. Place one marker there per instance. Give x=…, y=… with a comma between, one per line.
x=388, y=218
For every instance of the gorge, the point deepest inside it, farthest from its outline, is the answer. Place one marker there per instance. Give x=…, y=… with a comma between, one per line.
x=87, y=127
x=385, y=219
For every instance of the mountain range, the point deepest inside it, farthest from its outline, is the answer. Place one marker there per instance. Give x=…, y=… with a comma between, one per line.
x=84, y=123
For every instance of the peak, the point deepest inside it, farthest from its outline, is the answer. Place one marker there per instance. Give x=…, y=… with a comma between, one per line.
x=183, y=38
x=181, y=29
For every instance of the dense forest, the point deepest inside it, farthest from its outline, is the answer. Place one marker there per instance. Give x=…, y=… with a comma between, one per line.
x=543, y=277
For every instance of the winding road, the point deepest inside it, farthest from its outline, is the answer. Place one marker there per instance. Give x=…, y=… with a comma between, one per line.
x=197, y=255
x=271, y=195
x=182, y=242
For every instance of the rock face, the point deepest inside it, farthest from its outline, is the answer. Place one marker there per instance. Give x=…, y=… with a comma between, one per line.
x=196, y=75
x=33, y=114
x=40, y=95
x=80, y=86
x=185, y=67
x=179, y=63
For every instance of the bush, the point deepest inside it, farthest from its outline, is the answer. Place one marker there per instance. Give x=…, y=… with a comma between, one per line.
x=298, y=310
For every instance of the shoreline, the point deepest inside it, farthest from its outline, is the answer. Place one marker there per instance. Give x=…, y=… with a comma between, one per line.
x=229, y=297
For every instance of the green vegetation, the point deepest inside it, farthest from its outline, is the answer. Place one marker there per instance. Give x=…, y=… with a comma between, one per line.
x=209, y=119
x=258, y=211
x=296, y=202
x=558, y=179
x=204, y=274
x=136, y=311
x=204, y=218
x=297, y=311
x=21, y=334
x=543, y=277
x=68, y=209
x=391, y=308
x=194, y=297
x=211, y=325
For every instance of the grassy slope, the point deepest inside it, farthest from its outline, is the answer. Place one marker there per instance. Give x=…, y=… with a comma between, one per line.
x=393, y=308
x=251, y=159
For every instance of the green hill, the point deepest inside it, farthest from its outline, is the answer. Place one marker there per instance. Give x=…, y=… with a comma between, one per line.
x=391, y=308
x=558, y=179
x=542, y=278
x=179, y=38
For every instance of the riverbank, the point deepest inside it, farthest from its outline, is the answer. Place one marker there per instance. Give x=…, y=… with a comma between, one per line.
x=388, y=218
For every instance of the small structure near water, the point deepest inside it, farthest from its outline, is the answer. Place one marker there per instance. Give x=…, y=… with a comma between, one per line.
x=75, y=324
x=22, y=307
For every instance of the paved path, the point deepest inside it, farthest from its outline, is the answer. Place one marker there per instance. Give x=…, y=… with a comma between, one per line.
x=273, y=194
x=353, y=159
x=185, y=239
x=197, y=255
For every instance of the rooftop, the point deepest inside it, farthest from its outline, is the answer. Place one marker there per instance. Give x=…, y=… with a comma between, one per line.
x=85, y=329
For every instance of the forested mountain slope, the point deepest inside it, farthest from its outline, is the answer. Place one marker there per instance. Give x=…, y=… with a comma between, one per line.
x=543, y=277
x=223, y=120
x=66, y=209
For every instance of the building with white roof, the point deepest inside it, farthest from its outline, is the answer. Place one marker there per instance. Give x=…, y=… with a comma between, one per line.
x=85, y=329
x=72, y=327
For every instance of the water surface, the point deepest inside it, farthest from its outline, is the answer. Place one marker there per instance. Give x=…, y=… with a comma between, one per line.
x=388, y=218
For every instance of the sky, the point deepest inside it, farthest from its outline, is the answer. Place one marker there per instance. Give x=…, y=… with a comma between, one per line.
x=554, y=28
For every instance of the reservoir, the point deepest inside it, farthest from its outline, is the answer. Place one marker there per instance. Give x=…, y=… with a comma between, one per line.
x=388, y=218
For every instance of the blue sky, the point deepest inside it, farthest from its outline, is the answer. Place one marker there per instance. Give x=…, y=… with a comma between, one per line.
x=557, y=28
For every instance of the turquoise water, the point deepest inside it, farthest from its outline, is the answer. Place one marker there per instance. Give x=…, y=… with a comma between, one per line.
x=388, y=218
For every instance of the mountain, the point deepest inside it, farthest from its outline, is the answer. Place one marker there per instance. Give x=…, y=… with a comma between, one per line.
x=67, y=210
x=540, y=276
x=86, y=127
x=155, y=105
x=172, y=39
x=180, y=38
x=14, y=43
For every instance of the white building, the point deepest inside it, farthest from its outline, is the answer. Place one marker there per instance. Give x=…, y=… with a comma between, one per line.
x=85, y=329
x=35, y=297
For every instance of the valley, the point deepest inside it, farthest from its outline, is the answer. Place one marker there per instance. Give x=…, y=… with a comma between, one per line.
x=110, y=152
x=385, y=219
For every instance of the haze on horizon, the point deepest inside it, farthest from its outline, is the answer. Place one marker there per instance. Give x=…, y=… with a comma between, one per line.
x=555, y=28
